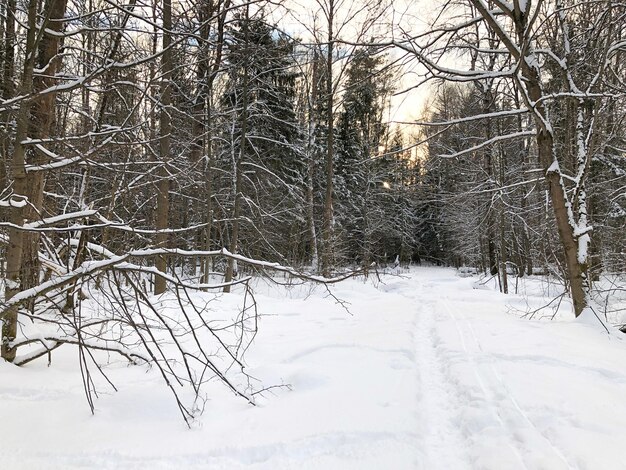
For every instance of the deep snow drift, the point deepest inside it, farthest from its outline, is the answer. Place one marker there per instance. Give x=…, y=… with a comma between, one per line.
x=425, y=372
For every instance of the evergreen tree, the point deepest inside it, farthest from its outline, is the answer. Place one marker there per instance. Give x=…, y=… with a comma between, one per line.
x=360, y=172
x=261, y=132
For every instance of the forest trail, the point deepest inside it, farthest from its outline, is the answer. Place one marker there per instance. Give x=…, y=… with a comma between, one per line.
x=427, y=371
x=438, y=399
x=460, y=406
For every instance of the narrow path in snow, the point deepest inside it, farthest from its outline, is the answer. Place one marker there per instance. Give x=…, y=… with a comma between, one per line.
x=514, y=420
x=463, y=396
x=443, y=443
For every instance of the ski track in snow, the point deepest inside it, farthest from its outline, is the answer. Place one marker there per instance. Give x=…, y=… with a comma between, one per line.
x=502, y=405
x=443, y=443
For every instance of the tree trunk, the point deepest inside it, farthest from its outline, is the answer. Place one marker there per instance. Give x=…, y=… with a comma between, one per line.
x=43, y=117
x=310, y=204
x=575, y=270
x=489, y=106
x=311, y=139
x=7, y=85
x=234, y=236
x=163, y=185
x=9, y=50
x=20, y=192
x=200, y=128
x=209, y=76
x=327, y=256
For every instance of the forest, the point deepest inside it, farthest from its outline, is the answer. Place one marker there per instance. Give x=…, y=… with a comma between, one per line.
x=173, y=148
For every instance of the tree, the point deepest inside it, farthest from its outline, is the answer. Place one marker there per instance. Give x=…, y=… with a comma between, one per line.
x=361, y=172
x=165, y=129
x=261, y=136
x=21, y=190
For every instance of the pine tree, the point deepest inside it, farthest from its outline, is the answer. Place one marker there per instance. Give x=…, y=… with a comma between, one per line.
x=264, y=138
x=360, y=172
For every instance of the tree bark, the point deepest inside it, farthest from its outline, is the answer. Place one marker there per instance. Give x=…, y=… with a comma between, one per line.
x=576, y=272
x=327, y=256
x=209, y=75
x=42, y=123
x=20, y=192
x=234, y=236
x=163, y=185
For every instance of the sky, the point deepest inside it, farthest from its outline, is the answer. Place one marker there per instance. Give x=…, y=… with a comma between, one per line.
x=411, y=16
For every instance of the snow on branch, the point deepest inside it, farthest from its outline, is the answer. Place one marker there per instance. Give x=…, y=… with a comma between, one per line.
x=486, y=143
x=89, y=268
x=475, y=117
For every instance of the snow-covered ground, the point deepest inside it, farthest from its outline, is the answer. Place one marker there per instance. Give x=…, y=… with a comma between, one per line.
x=427, y=371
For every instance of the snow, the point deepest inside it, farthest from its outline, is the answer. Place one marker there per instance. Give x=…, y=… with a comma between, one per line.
x=486, y=143
x=583, y=247
x=425, y=372
x=21, y=202
x=61, y=218
x=553, y=168
x=11, y=284
x=523, y=6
